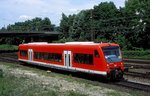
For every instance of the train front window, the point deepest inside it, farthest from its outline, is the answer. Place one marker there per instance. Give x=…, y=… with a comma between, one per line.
x=112, y=54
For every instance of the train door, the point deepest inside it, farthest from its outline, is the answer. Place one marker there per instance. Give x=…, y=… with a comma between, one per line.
x=30, y=54
x=67, y=59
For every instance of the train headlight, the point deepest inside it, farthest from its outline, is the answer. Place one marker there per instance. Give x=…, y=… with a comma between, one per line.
x=121, y=64
x=107, y=65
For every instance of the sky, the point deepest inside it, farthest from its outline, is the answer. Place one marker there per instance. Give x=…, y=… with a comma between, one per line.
x=12, y=11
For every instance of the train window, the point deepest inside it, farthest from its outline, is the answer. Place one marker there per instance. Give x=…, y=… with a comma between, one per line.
x=83, y=58
x=48, y=56
x=23, y=53
x=37, y=55
x=96, y=54
x=55, y=57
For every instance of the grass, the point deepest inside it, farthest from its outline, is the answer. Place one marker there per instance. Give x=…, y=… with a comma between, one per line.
x=113, y=94
x=72, y=93
x=8, y=47
x=11, y=85
x=22, y=86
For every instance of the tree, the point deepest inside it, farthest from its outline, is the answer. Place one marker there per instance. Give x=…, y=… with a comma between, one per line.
x=46, y=25
x=36, y=24
x=3, y=29
x=139, y=36
x=66, y=24
x=104, y=20
x=77, y=27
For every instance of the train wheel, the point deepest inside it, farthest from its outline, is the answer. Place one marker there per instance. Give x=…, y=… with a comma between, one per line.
x=118, y=75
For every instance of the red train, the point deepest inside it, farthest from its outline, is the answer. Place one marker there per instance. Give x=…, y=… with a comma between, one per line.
x=96, y=58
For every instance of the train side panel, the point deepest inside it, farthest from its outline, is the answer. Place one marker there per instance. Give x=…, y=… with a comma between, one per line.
x=97, y=63
x=50, y=50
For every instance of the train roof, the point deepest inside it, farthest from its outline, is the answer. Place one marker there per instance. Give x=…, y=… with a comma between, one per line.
x=70, y=43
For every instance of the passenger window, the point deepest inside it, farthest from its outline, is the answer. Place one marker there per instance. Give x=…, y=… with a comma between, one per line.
x=23, y=53
x=56, y=57
x=83, y=58
x=96, y=54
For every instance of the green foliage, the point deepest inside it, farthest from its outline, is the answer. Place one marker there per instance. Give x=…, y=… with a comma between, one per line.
x=103, y=40
x=8, y=47
x=122, y=41
x=10, y=40
x=78, y=27
x=8, y=85
x=136, y=54
x=114, y=93
x=105, y=10
x=128, y=26
x=63, y=40
x=139, y=36
x=66, y=24
x=46, y=25
x=36, y=24
x=15, y=86
x=72, y=93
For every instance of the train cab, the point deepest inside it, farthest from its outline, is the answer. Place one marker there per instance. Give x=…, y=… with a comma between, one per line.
x=114, y=61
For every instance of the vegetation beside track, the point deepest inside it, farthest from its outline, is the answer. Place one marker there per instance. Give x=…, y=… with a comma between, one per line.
x=6, y=47
x=136, y=54
x=16, y=80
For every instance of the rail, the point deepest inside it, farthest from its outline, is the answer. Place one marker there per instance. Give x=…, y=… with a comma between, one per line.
x=141, y=61
x=137, y=74
x=134, y=85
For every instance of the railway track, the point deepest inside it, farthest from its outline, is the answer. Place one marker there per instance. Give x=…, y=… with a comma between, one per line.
x=124, y=83
x=143, y=67
x=134, y=85
x=9, y=60
x=137, y=65
x=137, y=61
x=137, y=74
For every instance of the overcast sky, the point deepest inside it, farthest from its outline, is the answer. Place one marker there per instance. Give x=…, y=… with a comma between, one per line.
x=12, y=11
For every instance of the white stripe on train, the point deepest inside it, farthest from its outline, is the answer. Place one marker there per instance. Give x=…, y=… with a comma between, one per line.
x=64, y=67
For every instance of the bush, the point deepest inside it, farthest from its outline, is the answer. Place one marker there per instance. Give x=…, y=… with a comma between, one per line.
x=8, y=47
x=63, y=40
x=98, y=40
x=136, y=54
